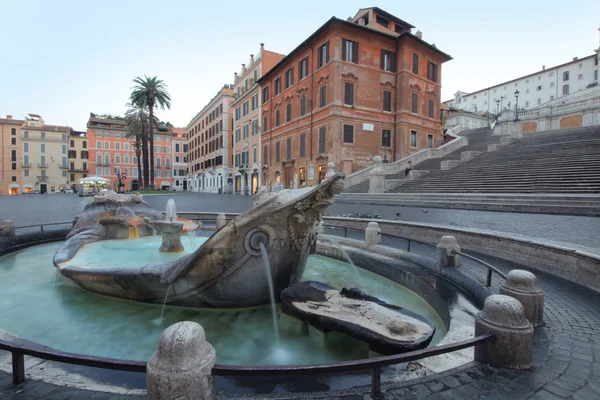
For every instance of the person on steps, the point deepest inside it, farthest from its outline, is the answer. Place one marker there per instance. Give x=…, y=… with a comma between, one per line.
x=408, y=168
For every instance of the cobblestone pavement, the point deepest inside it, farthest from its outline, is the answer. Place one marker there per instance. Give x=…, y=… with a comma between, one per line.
x=36, y=209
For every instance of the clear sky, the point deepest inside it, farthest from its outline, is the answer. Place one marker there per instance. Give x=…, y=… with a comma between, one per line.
x=64, y=59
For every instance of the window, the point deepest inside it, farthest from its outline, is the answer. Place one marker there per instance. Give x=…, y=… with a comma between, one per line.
x=277, y=86
x=255, y=102
x=246, y=131
x=264, y=155
x=126, y=159
x=277, y=118
x=566, y=76
x=289, y=77
x=107, y=159
x=107, y=145
x=303, y=69
x=348, y=133
x=13, y=141
x=43, y=161
x=323, y=55
x=288, y=149
x=288, y=112
x=302, y=145
x=430, y=109
x=596, y=75
x=254, y=127
x=414, y=106
x=432, y=71
x=245, y=108
x=349, y=93
x=322, y=96
x=125, y=146
x=25, y=147
x=322, y=131
x=237, y=135
x=386, y=138
x=413, y=138
x=43, y=135
x=526, y=104
x=277, y=150
x=26, y=172
x=565, y=89
x=580, y=77
x=14, y=178
x=265, y=94
x=99, y=171
x=42, y=147
x=302, y=105
x=551, y=84
x=382, y=21
x=237, y=113
x=387, y=100
x=265, y=124
x=25, y=134
x=388, y=61
x=429, y=141
x=98, y=144
x=415, y=63
x=539, y=101
x=176, y=147
x=350, y=51
x=551, y=98
x=302, y=176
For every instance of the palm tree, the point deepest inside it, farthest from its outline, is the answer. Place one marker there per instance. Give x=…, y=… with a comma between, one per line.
x=137, y=119
x=150, y=92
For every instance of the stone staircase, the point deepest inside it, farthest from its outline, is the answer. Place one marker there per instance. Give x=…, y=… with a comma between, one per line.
x=479, y=139
x=565, y=161
x=545, y=172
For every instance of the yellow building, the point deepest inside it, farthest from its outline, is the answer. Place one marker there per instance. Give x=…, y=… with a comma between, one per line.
x=45, y=165
x=10, y=155
x=78, y=158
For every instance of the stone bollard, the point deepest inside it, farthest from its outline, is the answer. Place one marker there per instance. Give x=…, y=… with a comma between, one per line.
x=330, y=171
x=377, y=177
x=513, y=347
x=7, y=229
x=446, y=256
x=181, y=367
x=523, y=286
x=372, y=234
x=221, y=221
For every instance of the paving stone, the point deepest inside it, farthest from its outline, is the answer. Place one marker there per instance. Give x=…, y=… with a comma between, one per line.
x=420, y=390
x=450, y=381
x=435, y=386
x=557, y=390
x=545, y=395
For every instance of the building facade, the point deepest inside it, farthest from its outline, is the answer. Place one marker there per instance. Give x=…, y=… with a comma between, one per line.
x=209, y=145
x=247, y=121
x=466, y=119
x=112, y=151
x=11, y=162
x=78, y=158
x=534, y=90
x=352, y=90
x=179, y=158
x=45, y=165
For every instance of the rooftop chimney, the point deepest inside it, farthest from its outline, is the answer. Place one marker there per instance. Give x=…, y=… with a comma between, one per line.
x=543, y=67
x=575, y=58
x=8, y=116
x=419, y=34
x=251, y=58
x=262, y=45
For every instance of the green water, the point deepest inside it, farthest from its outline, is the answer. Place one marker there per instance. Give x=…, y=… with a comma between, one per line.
x=115, y=253
x=63, y=316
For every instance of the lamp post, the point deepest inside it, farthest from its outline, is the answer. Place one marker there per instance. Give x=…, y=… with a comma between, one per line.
x=516, y=106
x=497, y=109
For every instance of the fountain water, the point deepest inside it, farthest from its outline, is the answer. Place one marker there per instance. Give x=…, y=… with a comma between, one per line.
x=171, y=213
x=346, y=257
x=265, y=257
x=162, y=311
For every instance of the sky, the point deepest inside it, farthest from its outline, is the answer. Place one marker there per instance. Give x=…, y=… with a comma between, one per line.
x=64, y=59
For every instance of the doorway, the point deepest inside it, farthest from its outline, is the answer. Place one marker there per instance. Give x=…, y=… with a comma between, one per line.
x=43, y=188
x=254, y=183
x=185, y=184
x=134, y=185
x=322, y=172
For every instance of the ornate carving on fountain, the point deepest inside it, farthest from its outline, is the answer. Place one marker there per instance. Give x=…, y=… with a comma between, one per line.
x=113, y=200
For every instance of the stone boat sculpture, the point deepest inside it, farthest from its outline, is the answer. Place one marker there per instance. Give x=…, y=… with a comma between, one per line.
x=227, y=271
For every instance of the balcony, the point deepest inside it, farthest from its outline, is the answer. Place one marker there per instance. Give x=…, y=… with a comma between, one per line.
x=26, y=165
x=63, y=166
x=42, y=178
x=43, y=165
x=85, y=170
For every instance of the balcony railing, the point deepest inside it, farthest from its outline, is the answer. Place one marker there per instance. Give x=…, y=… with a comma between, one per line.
x=42, y=177
x=78, y=170
x=26, y=164
x=43, y=165
x=63, y=166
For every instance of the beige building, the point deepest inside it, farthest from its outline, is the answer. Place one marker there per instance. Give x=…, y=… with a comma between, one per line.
x=78, y=158
x=10, y=155
x=247, y=121
x=44, y=155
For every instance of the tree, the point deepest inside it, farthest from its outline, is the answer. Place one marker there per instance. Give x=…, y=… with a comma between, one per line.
x=150, y=93
x=137, y=119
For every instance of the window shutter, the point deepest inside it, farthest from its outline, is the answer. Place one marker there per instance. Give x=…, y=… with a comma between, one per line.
x=355, y=52
x=381, y=63
x=393, y=61
x=319, y=58
x=344, y=55
x=327, y=52
x=299, y=71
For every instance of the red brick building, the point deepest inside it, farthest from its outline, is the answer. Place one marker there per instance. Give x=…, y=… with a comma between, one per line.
x=352, y=90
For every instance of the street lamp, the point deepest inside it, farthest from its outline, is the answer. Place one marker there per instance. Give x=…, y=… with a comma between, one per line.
x=497, y=108
x=516, y=106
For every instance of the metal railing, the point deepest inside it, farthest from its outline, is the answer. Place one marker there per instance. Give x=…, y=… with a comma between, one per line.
x=489, y=266
x=41, y=226
x=22, y=348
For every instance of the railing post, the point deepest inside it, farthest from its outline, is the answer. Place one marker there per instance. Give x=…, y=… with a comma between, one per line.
x=18, y=367
x=489, y=278
x=447, y=253
x=408, y=246
x=522, y=285
x=345, y=232
x=376, y=384
x=42, y=228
